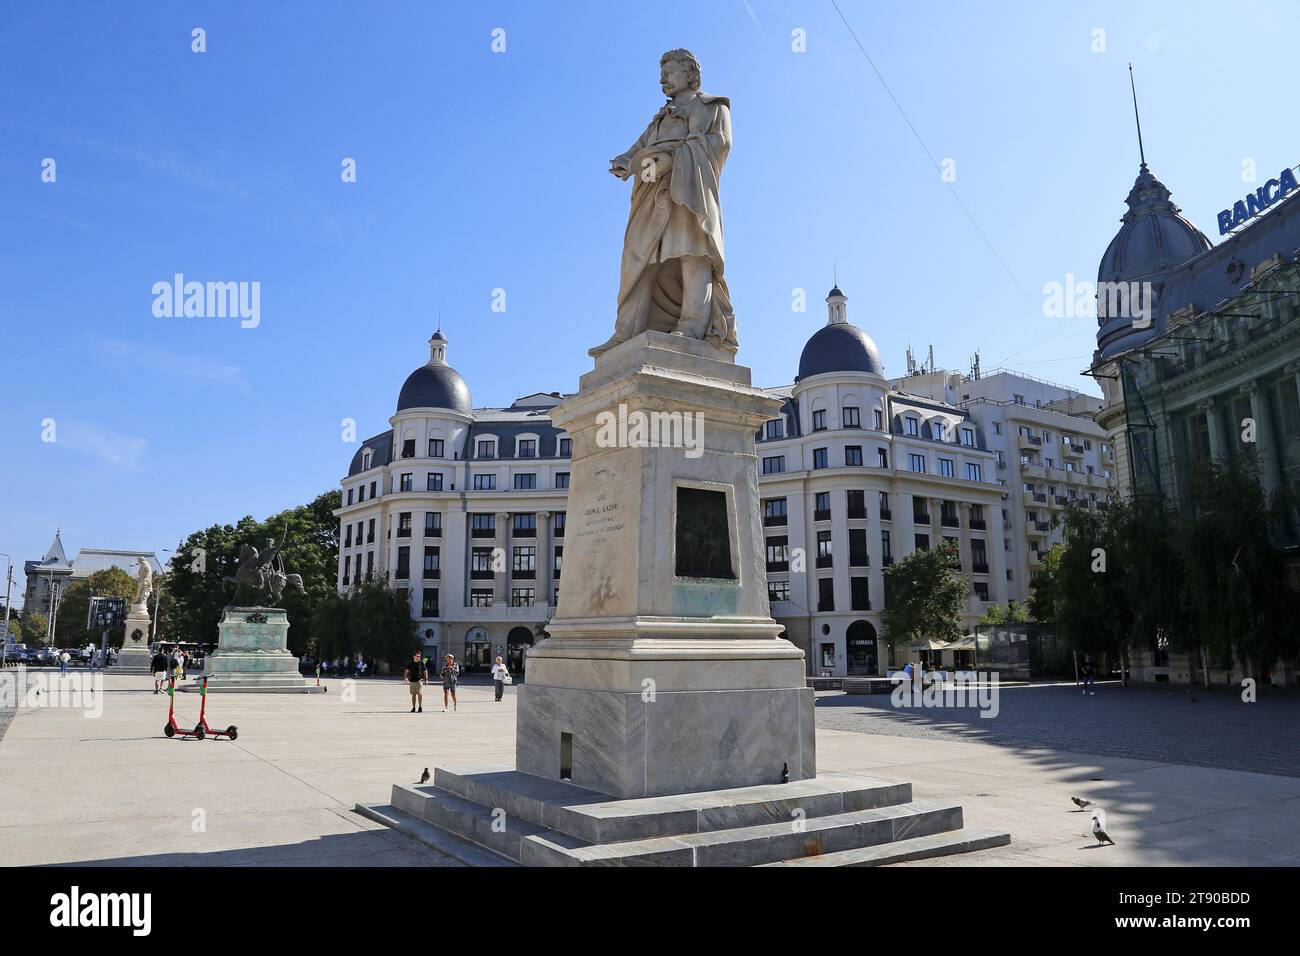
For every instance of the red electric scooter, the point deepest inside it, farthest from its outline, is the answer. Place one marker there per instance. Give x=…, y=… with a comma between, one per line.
x=230, y=732
x=171, y=728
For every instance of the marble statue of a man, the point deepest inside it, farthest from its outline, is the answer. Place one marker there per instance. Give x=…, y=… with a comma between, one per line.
x=671, y=278
x=143, y=582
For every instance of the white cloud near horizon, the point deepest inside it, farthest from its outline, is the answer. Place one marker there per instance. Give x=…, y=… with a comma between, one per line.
x=188, y=367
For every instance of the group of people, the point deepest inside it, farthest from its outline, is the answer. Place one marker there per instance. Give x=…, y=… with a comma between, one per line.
x=167, y=664
x=417, y=676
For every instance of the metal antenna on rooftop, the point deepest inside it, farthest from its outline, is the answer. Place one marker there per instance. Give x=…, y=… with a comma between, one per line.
x=1136, y=117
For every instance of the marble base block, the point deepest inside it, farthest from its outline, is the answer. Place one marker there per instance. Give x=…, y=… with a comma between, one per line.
x=134, y=656
x=253, y=654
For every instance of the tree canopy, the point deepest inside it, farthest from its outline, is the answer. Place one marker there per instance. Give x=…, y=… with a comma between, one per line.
x=924, y=594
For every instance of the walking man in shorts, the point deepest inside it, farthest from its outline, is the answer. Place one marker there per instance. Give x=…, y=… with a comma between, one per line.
x=416, y=675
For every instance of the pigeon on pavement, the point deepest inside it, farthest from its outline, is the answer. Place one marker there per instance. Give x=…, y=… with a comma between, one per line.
x=1099, y=833
x=424, y=777
x=1081, y=803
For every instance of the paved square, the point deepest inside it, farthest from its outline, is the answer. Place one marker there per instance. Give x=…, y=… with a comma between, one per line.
x=113, y=790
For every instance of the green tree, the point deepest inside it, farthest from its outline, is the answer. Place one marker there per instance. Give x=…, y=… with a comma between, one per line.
x=34, y=627
x=1237, y=600
x=74, y=606
x=197, y=592
x=1013, y=613
x=924, y=595
x=370, y=620
x=1044, y=595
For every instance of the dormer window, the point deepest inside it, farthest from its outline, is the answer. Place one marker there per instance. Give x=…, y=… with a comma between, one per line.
x=968, y=437
x=435, y=447
x=819, y=420
x=566, y=448
x=911, y=426
x=526, y=448
x=408, y=448
x=487, y=448
x=776, y=428
x=365, y=461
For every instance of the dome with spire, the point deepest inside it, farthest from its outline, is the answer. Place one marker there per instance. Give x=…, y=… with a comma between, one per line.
x=436, y=384
x=839, y=346
x=1155, y=237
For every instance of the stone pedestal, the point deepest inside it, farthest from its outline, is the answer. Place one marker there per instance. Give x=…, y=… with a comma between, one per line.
x=663, y=672
x=134, y=657
x=252, y=654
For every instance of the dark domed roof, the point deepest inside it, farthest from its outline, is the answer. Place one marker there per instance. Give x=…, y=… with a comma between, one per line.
x=840, y=347
x=435, y=386
x=1154, y=237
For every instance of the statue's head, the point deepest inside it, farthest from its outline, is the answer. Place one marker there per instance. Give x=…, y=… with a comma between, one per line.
x=679, y=71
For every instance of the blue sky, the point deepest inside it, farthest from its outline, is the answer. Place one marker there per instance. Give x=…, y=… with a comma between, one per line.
x=479, y=171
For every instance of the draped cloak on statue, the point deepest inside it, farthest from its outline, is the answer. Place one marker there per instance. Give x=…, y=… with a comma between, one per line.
x=677, y=215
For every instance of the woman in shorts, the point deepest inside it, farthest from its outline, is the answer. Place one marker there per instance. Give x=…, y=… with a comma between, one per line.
x=450, y=673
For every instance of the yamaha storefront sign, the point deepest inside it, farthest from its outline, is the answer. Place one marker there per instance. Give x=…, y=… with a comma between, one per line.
x=1273, y=191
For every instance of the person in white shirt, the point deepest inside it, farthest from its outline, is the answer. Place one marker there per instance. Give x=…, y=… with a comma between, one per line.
x=500, y=673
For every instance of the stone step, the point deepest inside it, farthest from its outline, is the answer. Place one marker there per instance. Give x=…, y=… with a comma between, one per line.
x=752, y=845
x=431, y=835
x=598, y=818
x=964, y=840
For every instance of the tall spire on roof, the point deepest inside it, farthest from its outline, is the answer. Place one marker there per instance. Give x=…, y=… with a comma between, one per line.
x=1142, y=154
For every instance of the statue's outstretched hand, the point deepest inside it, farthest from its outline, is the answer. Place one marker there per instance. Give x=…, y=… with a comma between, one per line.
x=618, y=167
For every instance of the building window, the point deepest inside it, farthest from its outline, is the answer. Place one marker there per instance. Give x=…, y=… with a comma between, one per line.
x=825, y=558
x=825, y=594
x=920, y=511
x=974, y=472
x=886, y=550
x=433, y=524
x=778, y=554
x=922, y=542
x=968, y=437
x=882, y=458
x=485, y=482
x=370, y=532
x=435, y=481
x=858, y=557
x=946, y=468
x=566, y=448
x=822, y=506
x=860, y=594
x=857, y=503
x=361, y=493
x=561, y=479
x=849, y=417
x=432, y=562
x=879, y=418
x=524, y=525
x=480, y=563
x=524, y=561
x=559, y=559
x=349, y=496
x=372, y=489
x=774, y=465
x=480, y=597
x=981, y=589
x=404, y=482
x=429, y=602
x=885, y=513
x=435, y=447
x=917, y=463
x=408, y=448
x=347, y=568
x=365, y=461
x=853, y=455
x=911, y=426
x=774, y=511
x=997, y=428
x=979, y=556
x=559, y=524
x=526, y=448
x=403, y=563
x=483, y=525
x=404, y=524
x=522, y=597
x=778, y=591
x=819, y=457
x=775, y=428
x=487, y=448
x=526, y=482
x=819, y=420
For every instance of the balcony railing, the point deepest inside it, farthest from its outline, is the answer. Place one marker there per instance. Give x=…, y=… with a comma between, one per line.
x=980, y=567
x=857, y=512
x=977, y=524
x=822, y=515
x=825, y=561
x=950, y=521
x=886, y=514
x=770, y=521
x=922, y=518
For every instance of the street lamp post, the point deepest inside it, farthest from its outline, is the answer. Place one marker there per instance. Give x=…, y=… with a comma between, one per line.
x=9, y=584
x=157, y=603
